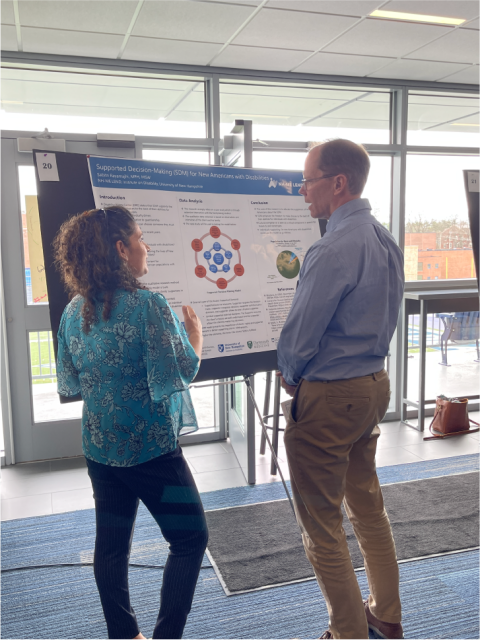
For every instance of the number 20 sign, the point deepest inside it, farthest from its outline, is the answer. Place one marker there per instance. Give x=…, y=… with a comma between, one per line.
x=47, y=167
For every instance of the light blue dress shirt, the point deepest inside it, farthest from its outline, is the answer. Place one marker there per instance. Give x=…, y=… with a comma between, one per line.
x=347, y=302
x=133, y=372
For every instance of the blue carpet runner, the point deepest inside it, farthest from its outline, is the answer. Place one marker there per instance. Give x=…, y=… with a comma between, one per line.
x=439, y=595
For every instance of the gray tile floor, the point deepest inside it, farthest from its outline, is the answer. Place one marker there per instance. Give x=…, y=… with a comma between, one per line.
x=55, y=486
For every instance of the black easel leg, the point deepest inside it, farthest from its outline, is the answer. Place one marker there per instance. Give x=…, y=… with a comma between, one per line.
x=276, y=423
x=266, y=408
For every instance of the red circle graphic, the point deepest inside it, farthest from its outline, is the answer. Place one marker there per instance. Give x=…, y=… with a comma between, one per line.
x=222, y=283
x=200, y=271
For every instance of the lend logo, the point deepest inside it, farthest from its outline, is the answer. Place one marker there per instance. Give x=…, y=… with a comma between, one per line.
x=221, y=348
x=249, y=344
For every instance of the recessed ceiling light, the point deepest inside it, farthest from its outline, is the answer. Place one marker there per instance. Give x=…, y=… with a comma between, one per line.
x=464, y=124
x=11, y=102
x=257, y=115
x=416, y=17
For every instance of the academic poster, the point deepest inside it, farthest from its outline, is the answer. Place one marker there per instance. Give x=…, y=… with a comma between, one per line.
x=230, y=242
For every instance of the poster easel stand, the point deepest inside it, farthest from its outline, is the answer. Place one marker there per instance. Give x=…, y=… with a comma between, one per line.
x=275, y=415
x=265, y=436
x=246, y=379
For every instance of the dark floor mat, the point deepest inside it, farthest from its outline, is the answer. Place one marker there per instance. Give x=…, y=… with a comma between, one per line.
x=260, y=545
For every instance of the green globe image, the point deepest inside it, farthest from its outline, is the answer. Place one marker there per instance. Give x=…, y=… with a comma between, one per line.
x=288, y=264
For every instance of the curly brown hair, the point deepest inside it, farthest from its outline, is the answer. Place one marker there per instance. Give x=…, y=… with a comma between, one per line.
x=87, y=258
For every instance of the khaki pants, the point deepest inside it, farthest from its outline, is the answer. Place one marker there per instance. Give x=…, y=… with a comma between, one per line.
x=331, y=439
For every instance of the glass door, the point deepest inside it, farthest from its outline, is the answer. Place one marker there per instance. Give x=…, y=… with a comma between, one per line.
x=41, y=427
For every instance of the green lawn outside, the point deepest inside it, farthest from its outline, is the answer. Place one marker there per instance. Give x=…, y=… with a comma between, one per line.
x=40, y=362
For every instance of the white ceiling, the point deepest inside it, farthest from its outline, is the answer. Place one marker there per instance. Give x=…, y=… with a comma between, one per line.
x=302, y=36
x=315, y=36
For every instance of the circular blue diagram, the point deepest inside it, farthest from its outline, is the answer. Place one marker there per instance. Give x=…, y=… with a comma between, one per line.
x=217, y=257
x=220, y=257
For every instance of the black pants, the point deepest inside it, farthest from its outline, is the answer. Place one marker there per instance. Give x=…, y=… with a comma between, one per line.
x=167, y=488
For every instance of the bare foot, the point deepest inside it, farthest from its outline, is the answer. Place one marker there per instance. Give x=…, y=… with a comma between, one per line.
x=139, y=636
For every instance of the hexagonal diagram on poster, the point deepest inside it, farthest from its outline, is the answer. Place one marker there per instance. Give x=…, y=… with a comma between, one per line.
x=223, y=259
x=228, y=241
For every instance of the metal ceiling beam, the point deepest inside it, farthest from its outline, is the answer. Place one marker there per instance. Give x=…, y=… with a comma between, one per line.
x=131, y=66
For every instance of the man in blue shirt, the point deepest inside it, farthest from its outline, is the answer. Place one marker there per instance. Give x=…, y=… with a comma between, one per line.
x=331, y=357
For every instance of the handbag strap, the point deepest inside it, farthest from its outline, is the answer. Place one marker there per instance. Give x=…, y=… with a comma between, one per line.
x=453, y=433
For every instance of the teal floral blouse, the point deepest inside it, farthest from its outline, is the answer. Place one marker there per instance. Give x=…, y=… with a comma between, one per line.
x=133, y=373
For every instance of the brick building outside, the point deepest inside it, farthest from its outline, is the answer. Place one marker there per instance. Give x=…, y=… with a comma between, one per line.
x=444, y=255
x=421, y=240
x=455, y=237
x=445, y=264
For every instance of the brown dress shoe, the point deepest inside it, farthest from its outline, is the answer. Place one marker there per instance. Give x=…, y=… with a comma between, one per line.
x=393, y=630
x=326, y=634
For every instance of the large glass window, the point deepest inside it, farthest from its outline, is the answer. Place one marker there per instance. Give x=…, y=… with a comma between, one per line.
x=306, y=112
x=438, y=244
x=187, y=156
x=443, y=119
x=89, y=101
x=292, y=161
x=379, y=187
x=85, y=102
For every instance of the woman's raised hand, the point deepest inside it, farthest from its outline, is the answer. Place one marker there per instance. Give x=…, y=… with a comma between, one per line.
x=192, y=322
x=193, y=327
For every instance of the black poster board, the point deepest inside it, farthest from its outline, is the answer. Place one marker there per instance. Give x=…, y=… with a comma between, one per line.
x=472, y=193
x=72, y=194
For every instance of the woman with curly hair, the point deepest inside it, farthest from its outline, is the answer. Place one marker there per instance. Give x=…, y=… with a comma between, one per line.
x=124, y=350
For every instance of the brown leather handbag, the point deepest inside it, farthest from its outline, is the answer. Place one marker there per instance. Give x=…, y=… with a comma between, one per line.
x=451, y=418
